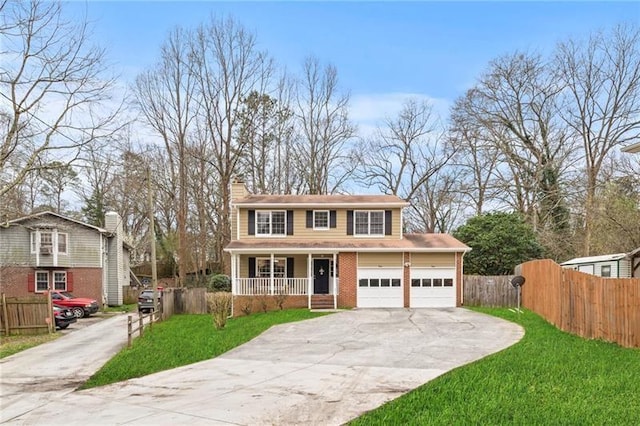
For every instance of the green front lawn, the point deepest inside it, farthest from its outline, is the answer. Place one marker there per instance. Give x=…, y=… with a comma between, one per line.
x=185, y=339
x=549, y=377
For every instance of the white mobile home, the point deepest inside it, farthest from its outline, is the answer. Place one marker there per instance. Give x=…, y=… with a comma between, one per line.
x=617, y=265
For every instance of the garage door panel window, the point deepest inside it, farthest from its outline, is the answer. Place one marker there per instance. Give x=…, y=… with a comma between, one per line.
x=379, y=282
x=437, y=282
x=448, y=282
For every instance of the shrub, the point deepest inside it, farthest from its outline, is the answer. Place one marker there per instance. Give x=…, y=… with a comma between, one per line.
x=263, y=302
x=219, y=282
x=247, y=306
x=220, y=307
x=281, y=297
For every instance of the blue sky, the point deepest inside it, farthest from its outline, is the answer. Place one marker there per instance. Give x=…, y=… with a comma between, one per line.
x=382, y=50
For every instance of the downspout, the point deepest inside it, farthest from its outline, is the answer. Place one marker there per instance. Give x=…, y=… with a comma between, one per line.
x=309, y=281
x=335, y=296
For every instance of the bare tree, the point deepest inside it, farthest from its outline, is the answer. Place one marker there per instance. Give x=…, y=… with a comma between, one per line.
x=165, y=96
x=322, y=113
x=602, y=104
x=404, y=154
x=54, y=90
x=515, y=103
x=227, y=67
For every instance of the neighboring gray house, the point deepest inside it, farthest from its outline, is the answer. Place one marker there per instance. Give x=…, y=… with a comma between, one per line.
x=48, y=250
x=619, y=265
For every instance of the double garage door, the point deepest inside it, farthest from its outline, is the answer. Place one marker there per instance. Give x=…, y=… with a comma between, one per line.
x=429, y=288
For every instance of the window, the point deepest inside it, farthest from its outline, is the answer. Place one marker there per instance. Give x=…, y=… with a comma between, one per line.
x=320, y=219
x=60, y=281
x=42, y=281
x=369, y=223
x=605, y=271
x=271, y=223
x=381, y=282
x=46, y=242
x=263, y=266
x=62, y=243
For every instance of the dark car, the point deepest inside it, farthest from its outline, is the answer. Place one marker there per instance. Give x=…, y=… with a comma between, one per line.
x=63, y=317
x=80, y=306
x=145, y=300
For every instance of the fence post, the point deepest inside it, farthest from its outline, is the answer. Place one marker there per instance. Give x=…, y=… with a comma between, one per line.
x=141, y=324
x=129, y=323
x=5, y=315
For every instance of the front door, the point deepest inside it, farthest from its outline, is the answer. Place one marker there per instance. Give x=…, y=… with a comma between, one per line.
x=321, y=276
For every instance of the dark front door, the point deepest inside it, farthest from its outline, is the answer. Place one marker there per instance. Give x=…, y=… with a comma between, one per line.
x=321, y=276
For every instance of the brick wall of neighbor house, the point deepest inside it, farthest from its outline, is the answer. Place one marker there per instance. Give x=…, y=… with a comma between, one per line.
x=348, y=271
x=240, y=302
x=87, y=282
x=406, y=279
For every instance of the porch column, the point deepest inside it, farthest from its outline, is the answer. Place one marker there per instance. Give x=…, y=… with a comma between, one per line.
x=271, y=274
x=234, y=263
x=309, y=282
x=335, y=296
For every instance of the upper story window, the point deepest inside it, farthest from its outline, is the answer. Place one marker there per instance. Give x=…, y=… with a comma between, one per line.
x=271, y=223
x=321, y=219
x=49, y=240
x=369, y=223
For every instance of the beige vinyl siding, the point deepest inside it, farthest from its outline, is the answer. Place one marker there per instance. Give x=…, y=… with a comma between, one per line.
x=426, y=260
x=300, y=229
x=383, y=260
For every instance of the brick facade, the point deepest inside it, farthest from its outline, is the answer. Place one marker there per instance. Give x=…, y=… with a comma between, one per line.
x=348, y=272
x=87, y=282
x=255, y=303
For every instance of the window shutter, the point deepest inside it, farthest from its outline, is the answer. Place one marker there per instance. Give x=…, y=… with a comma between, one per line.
x=289, y=222
x=252, y=267
x=332, y=219
x=349, y=222
x=387, y=222
x=31, y=283
x=309, y=218
x=69, y=281
x=289, y=267
x=252, y=222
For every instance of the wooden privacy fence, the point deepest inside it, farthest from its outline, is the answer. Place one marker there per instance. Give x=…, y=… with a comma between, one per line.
x=584, y=304
x=26, y=315
x=491, y=291
x=183, y=300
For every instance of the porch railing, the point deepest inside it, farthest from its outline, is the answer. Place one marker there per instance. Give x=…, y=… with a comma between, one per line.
x=257, y=286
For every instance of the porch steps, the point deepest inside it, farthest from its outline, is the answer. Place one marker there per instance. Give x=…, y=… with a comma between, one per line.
x=321, y=301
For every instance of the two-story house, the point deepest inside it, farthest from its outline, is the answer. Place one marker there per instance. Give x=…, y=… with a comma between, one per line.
x=50, y=251
x=338, y=251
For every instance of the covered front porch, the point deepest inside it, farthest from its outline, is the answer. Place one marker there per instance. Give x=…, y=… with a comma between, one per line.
x=314, y=275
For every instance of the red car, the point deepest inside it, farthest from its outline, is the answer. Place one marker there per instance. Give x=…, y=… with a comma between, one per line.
x=80, y=306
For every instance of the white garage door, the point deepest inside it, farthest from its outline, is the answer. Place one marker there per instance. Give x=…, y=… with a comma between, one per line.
x=433, y=288
x=380, y=288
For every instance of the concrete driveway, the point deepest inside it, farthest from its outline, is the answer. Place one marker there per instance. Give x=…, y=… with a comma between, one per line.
x=323, y=371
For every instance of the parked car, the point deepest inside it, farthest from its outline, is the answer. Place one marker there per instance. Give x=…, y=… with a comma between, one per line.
x=80, y=306
x=145, y=300
x=63, y=317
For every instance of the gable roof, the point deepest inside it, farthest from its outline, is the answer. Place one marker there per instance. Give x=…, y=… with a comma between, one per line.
x=633, y=148
x=325, y=201
x=410, y=243
x=50, y=213
x=594, y=259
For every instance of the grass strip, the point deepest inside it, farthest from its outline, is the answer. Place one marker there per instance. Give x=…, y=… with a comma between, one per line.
x=185, y=339
x=549, y=377
x=10, y=345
